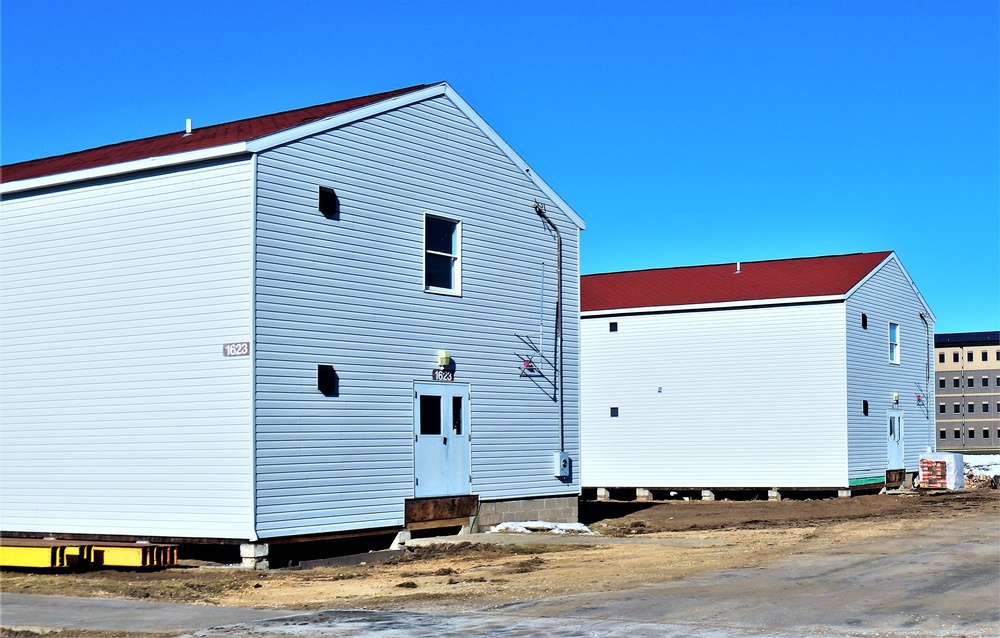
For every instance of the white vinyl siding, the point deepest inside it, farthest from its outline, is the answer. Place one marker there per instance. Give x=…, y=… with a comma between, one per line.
x=350, y=293
x=748, y=397
x=119, y=413
x=888, y=297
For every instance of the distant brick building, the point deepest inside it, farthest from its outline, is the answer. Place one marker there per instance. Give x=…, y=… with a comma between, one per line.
x=968, y=391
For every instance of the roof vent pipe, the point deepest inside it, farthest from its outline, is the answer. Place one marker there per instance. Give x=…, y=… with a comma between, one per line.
x=737, y=268
x=187, y=127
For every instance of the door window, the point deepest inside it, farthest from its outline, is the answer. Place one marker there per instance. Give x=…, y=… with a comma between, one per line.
x=430, y=414
x=456, y=415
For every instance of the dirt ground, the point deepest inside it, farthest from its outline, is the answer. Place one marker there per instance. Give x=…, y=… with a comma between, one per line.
x=671, y=539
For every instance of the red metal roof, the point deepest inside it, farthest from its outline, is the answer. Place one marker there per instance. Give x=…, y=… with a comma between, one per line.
x=200, y=138
x=778, y=279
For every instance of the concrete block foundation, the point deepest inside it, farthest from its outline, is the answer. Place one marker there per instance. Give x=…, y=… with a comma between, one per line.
x=555, y=509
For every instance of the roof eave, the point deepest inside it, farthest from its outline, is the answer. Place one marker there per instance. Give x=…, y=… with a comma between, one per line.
x=722, y=305
x=111, y=170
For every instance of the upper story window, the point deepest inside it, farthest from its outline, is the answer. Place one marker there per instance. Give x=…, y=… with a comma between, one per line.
x=940, y=357
x=864, y=321
x=970, y=355
x=442, y=258
x=893, y=343
x=954, y=357
x=986, y=356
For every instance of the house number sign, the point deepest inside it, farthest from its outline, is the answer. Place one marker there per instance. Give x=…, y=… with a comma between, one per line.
x=442, y=375
x=239, y=349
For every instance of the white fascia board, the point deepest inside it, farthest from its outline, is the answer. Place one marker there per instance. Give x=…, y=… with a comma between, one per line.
x=892, y=257
x=124, y=167
x=724, y=305
x=335, y=121
x=514, y=157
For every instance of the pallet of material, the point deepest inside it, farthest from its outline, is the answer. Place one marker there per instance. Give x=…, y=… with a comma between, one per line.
x=941, y=471
x=934, y=474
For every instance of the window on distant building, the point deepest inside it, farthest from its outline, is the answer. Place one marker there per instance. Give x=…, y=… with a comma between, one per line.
x=956, y=383
x=957, y=434
x=970, y=382
x=943, y=434
x=986, y=407
x=957, y=408
x=954, y=357
x=940, y=357
x=971, y=409
x=941, y=408
x=941, y=382
x=986, y=382
x=986, y=356
x=442, y=259
x=972, y=433
x=970, y=355
x=894, y=343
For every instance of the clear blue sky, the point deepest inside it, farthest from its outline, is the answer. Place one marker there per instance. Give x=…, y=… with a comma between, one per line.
x=684, y=132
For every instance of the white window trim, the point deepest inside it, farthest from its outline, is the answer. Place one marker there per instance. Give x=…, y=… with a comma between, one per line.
x=893, y=359
x=456, y=289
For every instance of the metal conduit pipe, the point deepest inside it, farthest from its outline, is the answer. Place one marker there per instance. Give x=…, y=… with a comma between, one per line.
x=540, y=209
x=928, y=355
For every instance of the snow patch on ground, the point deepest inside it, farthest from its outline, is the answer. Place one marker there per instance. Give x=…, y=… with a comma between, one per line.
x=987, y=464
x=544, y=527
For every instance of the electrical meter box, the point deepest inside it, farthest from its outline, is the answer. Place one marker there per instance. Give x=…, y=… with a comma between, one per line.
x=562, y=465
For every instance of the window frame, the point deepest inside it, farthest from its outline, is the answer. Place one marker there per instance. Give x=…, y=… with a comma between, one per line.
x=456, y=266
x=893, y=345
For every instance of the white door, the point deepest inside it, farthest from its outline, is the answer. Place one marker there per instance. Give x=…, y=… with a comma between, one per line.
x=894, y=444
x=442, y=461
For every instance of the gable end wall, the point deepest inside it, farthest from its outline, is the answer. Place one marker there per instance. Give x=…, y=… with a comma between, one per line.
x=887, y=296
x=349, y=293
